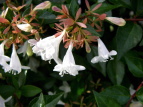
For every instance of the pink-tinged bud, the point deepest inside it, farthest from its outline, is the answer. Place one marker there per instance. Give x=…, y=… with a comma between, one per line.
x=25, y=27
x=43, y=5
x=116, y=21
x=4, y=13
x=56, y=9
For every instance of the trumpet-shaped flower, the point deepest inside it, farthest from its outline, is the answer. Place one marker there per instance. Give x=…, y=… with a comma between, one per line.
x=47, y=48
x=3, y=101
x=15, y=62
x=4, y=59
x=68, y=66
x=103, y=53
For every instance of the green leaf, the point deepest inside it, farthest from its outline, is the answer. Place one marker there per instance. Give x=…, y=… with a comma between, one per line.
x=139, y=94
x=73, y=7
x=30, y=90
x=116, y=71
x=28, y=2
x=118, y=93
x=137, y=7
x=105, y=101
x=52, y=100
x=127, y=37
x=105, y=7
x=92, y=31
x=22, y=78
x=135, y=65
x=6, y=91
x=126, y=3
x=46, y=17
x=40, y=102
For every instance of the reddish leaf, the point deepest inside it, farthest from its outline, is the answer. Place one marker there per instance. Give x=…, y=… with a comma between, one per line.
x=58, y=26
x=75, y=30
x=87, y=4
x=3, y=20
x=56, y=9
x=102, y=16
x=61, y=16
x=16, y=30
x=65, y=9
x=85, y=21
x=96, y=7
x=68, y=21
x=34, y=24
x=24, y=36
x=20, y=7
x=81, y=24
x=78, y=13
x=6, y=30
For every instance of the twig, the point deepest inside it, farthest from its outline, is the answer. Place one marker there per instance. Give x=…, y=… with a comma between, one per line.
x=127, y=105
x=134, y=19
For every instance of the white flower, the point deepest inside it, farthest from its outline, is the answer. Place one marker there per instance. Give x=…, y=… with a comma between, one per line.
x=4, y=59
x=103, y=53
x=25, y=27
x=68, y=65
x=23, y=48
x=66, y=88
x=3, y=101
x=47, y=48
x=15, y=62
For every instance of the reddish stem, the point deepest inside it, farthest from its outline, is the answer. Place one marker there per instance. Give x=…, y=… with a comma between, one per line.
x=134, y=19
x=127, y=105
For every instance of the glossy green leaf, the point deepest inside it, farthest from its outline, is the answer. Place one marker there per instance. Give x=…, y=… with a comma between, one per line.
x=105, y=101
x=30, y=90
x=6, y=91
x=115, y=71
x=127, y=37
x=137, y=7
x=52, y=100
x=22, y=78
x=40, y=102
x=135, y=65
x=118, y=93
x=139, y=94
x=105, y=7
x=73, y=7
x=46, y=17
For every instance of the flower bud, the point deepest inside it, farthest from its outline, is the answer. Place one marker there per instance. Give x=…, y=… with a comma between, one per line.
x=43, y=5
x=4, y=13
x=25, y=27
x=29, y=50
x=116, y=21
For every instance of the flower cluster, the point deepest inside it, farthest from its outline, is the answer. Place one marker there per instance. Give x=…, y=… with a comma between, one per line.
x=76, y=31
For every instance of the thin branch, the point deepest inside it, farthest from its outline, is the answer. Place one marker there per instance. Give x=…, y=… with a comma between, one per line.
x=127, y=105
x=133, y=19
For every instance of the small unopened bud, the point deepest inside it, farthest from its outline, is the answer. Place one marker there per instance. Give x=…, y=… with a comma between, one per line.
x=1, y=76
x=29, y=50
x=116, y=21
x=4, y=13
x=43, y=5
x=25, y=27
